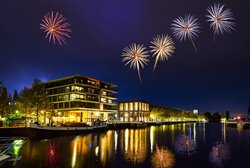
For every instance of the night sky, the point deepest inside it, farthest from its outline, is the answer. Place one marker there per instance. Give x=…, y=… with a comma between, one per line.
x=215, y=80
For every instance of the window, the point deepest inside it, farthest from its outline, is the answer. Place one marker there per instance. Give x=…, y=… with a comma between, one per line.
x=72, y=96
x=131, y=107
x=104, y=100
x=66, y=104
x=67, y=89
x=60, y=98
x=143, y=106
x=60, y=105
x=126, y=106
x=136, y=106
x=121, y=106
x=75, y=88
x=54, y=98
x=66, y=97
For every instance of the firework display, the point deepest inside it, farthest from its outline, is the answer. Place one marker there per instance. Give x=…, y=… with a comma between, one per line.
x=55, y=27
x=162, y=48
x=186, y=28
x=136, y=56
x=221, y=20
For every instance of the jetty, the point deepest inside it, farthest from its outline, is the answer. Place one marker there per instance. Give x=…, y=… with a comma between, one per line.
x=238, y=124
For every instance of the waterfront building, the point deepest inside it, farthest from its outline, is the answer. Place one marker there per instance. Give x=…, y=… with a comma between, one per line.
x=142, y=111
x=134, y=111
x=79, y=98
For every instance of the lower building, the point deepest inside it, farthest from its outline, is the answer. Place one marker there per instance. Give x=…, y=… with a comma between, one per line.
x=134, y=111
x=142, y=111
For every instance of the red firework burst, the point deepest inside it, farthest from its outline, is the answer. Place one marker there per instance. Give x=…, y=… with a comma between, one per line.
x=56, y=27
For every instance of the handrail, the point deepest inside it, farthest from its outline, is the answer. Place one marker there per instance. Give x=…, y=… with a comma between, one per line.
x=8, y=144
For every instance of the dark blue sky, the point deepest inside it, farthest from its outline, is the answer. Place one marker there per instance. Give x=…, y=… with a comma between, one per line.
x=217, y=79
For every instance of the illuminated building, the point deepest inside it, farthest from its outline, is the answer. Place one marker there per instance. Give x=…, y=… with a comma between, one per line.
x=131, y=111
x=81, y=99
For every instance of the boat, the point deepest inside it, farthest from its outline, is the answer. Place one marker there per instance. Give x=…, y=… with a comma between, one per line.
x=39, y=131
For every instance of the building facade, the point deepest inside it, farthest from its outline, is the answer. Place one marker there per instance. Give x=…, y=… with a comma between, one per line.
x=79, y=98
x=134, y=111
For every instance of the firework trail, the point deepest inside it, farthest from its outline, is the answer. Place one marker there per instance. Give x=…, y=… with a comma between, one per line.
x=55, y=27
x=162, y=48
x=135, y=55
x=221, y=20
x=186, y=28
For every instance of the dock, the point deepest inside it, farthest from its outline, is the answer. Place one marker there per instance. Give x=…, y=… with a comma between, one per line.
x=238, y=124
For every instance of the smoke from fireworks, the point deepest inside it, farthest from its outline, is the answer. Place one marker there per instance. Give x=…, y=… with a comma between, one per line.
x=55, y=27
x=186, y=28
x=162, y=158
x=221, y=20
x=135, y=55
x=162, y=48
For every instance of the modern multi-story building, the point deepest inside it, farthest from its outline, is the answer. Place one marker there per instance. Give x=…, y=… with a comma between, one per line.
x=131, y=111
x=81, y=99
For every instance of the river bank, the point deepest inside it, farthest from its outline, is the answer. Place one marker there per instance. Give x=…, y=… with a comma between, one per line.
x=33, y=133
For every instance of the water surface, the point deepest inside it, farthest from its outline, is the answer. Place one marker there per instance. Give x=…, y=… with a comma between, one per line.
x=166, y=146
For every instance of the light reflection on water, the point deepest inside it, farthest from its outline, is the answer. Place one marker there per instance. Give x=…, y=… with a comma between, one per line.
x=181, y=145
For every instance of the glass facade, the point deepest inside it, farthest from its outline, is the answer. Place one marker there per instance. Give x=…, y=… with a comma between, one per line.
x=134, y=111
x=80, y=94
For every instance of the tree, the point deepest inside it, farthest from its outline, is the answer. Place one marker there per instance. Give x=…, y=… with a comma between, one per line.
x=227, y=114
x=5, y=99
x=35, y=100
x=208, y=116
x=216, y=117
x=249, y=109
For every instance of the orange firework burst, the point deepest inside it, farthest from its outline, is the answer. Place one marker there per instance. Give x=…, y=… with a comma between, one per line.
x=55, y=27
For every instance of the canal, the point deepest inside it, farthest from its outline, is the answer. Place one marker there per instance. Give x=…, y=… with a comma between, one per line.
x=182, y=145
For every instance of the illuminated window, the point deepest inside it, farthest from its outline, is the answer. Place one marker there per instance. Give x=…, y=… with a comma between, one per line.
x=104, y=100
x=126, y=106
x=104, y=93
x=72, y=96
x=143, y=106
x=121, y=107
x=67, y=89
x=75, y=88
x=139, y=106
x=136, y=106
x=131, y=106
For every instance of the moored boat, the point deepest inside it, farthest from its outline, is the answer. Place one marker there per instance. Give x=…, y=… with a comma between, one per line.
x=54, y=131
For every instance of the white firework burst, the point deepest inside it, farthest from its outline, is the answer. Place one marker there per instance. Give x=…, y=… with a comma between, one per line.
x=162, y=48
x=221, y=20
x=186, y=28
x=136, y=55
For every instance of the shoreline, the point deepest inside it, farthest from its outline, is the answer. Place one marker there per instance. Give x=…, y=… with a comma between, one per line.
x=33, y=133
